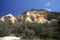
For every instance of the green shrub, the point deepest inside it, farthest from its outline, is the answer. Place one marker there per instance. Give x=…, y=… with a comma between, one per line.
x=29, y=30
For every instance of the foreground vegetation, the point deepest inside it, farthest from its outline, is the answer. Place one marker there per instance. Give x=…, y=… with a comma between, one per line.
x=30, y=31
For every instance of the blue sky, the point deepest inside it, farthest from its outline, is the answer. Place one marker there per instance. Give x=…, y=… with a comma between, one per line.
x=16, y=7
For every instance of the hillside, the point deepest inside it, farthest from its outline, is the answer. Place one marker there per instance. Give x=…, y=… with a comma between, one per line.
x=32, y=25
x=34, y=15
x=39, y=16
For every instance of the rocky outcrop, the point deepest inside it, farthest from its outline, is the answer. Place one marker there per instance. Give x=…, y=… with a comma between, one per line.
x=10, y=17
x=39, y=16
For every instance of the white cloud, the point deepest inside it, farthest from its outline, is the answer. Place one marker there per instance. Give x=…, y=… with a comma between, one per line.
x=48, y=4
x=49, y=9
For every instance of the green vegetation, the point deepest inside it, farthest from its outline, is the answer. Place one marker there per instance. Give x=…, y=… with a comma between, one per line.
x=30, y=31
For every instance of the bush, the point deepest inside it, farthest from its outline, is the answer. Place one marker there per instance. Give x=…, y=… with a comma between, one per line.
x=29, y=30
